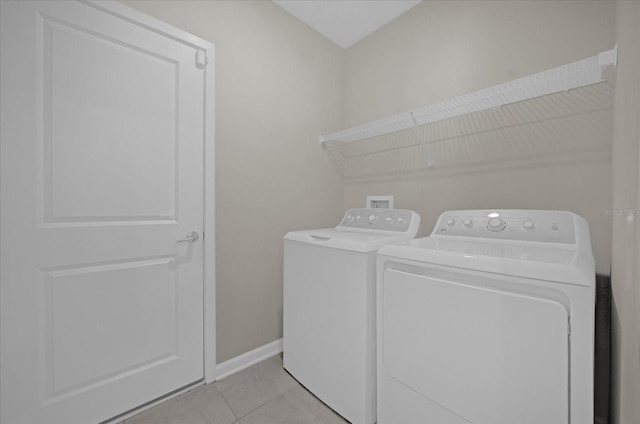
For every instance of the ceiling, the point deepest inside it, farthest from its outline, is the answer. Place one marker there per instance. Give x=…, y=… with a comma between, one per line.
x=345, y=22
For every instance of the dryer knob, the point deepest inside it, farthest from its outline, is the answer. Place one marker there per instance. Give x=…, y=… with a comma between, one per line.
x=468, y=223
x=373, y=219
x=389, y=219
x=496, y=224
x=450, y=222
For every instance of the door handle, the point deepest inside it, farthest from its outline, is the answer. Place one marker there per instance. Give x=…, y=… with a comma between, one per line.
x=192, y=237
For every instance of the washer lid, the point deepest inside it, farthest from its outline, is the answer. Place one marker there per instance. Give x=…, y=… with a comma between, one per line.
x=356, y=241
x=363, y=230
x=561, y=263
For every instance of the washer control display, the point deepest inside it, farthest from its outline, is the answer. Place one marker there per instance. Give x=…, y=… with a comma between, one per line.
x=542, y=226
x=378, y=219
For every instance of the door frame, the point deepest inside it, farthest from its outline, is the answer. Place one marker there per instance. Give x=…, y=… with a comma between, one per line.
x=114, y=8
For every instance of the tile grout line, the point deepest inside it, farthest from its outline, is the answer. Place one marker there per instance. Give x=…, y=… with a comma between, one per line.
x=268, y=401
x=264, y=403
x=234, y=412
x=227, y=403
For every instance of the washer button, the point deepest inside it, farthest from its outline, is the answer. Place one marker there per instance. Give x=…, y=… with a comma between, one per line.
x=496, y=224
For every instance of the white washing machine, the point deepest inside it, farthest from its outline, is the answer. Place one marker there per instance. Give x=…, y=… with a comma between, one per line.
x=490, y=320
x=329, y=307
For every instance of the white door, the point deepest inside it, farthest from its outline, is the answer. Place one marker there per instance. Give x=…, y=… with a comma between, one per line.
x=102, y=173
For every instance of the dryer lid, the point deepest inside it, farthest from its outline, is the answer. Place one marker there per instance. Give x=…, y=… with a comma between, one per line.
x=545, y=245
x=542, y=261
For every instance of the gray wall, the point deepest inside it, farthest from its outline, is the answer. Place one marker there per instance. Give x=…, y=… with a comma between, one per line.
x=625, y=274
x=278, y=85
x=439, y=50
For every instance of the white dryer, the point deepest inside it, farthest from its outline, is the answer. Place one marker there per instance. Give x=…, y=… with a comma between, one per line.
x=490, y=320
x=329, y=306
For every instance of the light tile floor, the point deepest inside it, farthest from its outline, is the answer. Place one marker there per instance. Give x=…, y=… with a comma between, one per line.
x=262, y=394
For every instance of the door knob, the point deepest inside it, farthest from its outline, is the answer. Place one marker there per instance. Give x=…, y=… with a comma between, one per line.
x=192, y=237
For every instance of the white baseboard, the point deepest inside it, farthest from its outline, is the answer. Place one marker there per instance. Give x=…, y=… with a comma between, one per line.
x=245, y=360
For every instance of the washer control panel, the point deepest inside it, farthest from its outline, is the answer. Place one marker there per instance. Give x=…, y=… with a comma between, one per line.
x=509, y=224
x=399, y=220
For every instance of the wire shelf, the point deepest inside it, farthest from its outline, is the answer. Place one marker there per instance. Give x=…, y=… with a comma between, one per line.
x=548, y=113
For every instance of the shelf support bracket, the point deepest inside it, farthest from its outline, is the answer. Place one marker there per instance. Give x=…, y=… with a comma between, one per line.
x=422, y=138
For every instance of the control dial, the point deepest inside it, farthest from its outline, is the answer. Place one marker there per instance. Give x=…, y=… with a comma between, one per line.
x=468, y=223
x=373, y=219
x=528, y=225
x=496, y=224
x=450, y=222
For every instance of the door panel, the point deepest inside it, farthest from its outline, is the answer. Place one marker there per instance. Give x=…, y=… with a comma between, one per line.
x=98, y=302
x=102, y=173
x=92, y=112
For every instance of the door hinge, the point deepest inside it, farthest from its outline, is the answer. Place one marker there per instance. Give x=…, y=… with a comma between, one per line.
x=201, y=59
